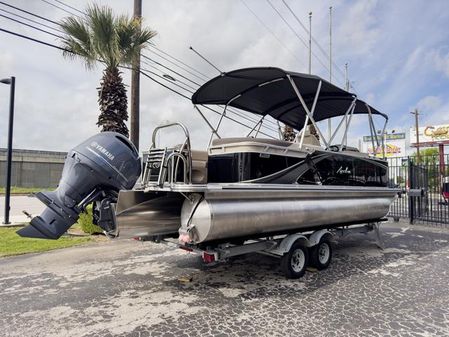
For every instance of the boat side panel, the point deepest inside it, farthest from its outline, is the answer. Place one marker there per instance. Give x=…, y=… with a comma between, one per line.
x=318, y=168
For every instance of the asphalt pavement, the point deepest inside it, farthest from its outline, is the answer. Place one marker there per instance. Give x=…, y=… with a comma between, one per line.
x=130, y=288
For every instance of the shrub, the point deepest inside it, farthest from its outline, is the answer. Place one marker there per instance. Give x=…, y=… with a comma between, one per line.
x=86, y=222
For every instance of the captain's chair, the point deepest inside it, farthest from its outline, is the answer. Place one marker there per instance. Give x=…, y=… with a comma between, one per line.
x=309, y=138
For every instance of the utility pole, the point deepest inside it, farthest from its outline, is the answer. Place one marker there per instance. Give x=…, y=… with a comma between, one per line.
x=310, y=43
x=329, y=122
x=135, y=86
x=416, y=113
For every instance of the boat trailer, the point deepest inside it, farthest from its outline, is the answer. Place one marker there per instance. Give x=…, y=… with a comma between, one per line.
x=296, y=251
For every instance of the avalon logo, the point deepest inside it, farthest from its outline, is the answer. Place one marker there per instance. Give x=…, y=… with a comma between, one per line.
x=101, y=149
x=345, y=170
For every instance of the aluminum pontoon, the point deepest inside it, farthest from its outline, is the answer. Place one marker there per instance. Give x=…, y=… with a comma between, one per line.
x=244, y=193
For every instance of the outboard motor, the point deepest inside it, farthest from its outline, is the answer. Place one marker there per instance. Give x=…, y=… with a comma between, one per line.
x=94, y=171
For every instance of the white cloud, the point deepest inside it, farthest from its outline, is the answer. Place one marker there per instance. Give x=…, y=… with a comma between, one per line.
x=429, y=103
x=439, y=61
x=433, y=110
x=358, y=28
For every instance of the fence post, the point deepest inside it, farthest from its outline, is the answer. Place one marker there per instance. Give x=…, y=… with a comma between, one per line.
x=411, y=184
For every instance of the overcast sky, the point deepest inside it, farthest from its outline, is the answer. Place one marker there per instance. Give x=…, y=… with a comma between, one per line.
x=397, y=51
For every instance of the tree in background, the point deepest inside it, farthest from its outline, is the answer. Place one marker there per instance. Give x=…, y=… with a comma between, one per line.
x=429, y=160
x=428, y=156
x=101, y=36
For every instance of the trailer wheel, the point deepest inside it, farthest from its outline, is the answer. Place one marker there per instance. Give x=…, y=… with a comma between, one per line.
x=294, y=263
x=321, y=254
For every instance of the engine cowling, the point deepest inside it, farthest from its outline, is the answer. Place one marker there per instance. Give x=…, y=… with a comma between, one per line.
x=93, y=171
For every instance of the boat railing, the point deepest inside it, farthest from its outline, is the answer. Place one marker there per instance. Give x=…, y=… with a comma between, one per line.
x=163, y=164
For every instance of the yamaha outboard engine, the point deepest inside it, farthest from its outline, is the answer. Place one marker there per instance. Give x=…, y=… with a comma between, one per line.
x=94, y=171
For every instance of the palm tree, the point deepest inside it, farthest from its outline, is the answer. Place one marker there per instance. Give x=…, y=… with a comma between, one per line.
x=101, y=36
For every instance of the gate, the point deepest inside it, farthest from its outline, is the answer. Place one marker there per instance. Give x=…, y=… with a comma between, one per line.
x=421, y=199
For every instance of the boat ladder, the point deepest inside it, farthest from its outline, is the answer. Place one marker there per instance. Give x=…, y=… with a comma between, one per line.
x=163, y=165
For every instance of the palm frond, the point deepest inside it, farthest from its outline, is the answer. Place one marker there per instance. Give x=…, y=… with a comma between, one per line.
x=113, y=40
x=102, y=23
x=78, y=41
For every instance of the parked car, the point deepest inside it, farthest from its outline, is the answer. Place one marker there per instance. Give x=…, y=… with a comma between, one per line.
x=445, y=190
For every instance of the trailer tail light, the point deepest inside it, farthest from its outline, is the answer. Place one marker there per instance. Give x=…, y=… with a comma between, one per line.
x=209, y=257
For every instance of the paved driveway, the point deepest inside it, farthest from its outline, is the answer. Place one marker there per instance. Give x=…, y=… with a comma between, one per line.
x=129, y=288
x=18, y=204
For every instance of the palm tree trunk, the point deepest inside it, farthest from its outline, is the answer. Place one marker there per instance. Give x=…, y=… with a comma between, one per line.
x=113, y=102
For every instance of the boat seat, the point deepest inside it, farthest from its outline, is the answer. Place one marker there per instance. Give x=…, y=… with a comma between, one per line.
x=199, y=166
x=309, y=138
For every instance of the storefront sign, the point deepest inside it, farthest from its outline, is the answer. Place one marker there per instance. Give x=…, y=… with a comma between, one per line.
x=430, y=135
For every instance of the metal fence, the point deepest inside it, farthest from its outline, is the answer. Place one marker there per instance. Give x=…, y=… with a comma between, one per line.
x=422, y=183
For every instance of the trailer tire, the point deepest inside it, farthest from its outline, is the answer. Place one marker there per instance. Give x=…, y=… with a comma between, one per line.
x=321, y=254
x=294, y=262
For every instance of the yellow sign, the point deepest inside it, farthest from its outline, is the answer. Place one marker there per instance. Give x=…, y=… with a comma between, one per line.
x=430, y=135
x=391, y=150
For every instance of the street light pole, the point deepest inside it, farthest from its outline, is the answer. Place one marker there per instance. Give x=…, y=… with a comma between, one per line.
x=416, y=113
x=12, y=83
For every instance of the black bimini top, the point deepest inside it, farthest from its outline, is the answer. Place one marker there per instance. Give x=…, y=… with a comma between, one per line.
x=267, y=91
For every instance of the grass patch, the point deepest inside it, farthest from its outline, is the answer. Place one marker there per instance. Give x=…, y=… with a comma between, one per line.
x=25, y=190
x=86, y=222
x=13, y=244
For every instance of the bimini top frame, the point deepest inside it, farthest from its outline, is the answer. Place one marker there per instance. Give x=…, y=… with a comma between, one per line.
x=294, y=99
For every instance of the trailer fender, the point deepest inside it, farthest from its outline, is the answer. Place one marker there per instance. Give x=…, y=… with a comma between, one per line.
x=315, y=238
x=286, y=243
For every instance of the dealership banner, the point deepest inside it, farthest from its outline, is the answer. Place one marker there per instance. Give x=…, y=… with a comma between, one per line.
x=430, y=135
x=394, y=145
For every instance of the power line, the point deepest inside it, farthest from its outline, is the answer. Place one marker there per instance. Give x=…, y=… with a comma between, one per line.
x=173, y=63
x=58, y=7
x=174, y=71
x=168, y=80
x=271, y=32
x=185, y=64
x=28, y=25
x=30, y=20
x=294, y=32
x=313, y=39
x=242, y=114
x=71, y=7
x=32, y=39
x=191, y=92
x=205, y=106
x=24, y=11
x=155, y=74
